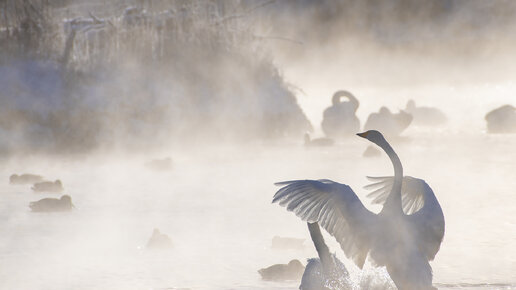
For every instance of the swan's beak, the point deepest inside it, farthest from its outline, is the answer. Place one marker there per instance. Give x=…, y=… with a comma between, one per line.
x=363, y=135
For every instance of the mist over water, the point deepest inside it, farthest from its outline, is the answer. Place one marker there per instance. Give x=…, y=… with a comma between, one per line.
x=231, y=115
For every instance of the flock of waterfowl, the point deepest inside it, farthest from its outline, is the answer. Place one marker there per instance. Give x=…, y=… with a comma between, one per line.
x=340, y=120
x=64, y=203
x=403, y=237
x=407, y=233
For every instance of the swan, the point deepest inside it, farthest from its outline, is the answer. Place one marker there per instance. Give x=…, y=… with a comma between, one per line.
x=48, y=186
x=425, y=116
x=25, y=178
x=404, y=236
x=281, y=272
x=318, y=142
x=325, y=272
x=501, y=120
x=52, y=204
x=390, y=124
x=340, y=120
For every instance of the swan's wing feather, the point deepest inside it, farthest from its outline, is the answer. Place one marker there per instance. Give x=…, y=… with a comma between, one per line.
x=336, y=208
x=420, y=203
x=413, y=192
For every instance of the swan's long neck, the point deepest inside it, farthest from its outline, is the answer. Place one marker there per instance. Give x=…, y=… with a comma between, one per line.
x=393, y=202
x=322, y=250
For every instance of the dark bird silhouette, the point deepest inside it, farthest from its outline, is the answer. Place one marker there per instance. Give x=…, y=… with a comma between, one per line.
x=48, y=186
x=501, y=120
x=25, y=178
x=390, y=124
x=340, y=120
x=425, y=116
x=52, y=204
x=159, y=241
x=281, y=272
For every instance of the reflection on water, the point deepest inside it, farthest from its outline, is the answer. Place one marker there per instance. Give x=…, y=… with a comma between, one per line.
x=216, y=207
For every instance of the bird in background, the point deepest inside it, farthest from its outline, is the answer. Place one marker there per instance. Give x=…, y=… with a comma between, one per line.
x=340, y=120
x=425, y=116
x=52, y=204
x=501, y=120
x=404, y=236
x=392, y=125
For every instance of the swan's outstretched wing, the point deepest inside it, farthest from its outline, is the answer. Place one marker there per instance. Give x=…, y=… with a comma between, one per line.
x=419, y=202
x=336, y=208
x=413, y=192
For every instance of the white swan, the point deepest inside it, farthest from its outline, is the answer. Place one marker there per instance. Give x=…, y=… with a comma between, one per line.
x=390, y=124
x=404, y=236
x=325, y=272
x=340, y=120
x=425, y=116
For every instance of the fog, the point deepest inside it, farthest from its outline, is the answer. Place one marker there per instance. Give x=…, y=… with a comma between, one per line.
x=99, y=94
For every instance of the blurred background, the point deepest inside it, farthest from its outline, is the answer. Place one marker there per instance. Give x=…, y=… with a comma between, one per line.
x=180, y=115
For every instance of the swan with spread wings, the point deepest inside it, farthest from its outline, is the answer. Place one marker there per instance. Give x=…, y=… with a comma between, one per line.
x=404, y=236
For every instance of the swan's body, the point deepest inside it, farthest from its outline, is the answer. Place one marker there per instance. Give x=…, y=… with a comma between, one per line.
x=425, y=116
x=52, y=204
x=403, y=237
x=502, y=120
x=390, y=124
x=25, y=178
x=282, y=272
x=325, y=272
x=340, y=120
x=318, y=142
x=48, y=186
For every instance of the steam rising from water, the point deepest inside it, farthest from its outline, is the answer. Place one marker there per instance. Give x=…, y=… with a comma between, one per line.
x=215, y=202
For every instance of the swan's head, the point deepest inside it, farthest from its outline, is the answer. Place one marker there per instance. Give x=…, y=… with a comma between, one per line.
x=335, y=100
x=373, y=136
